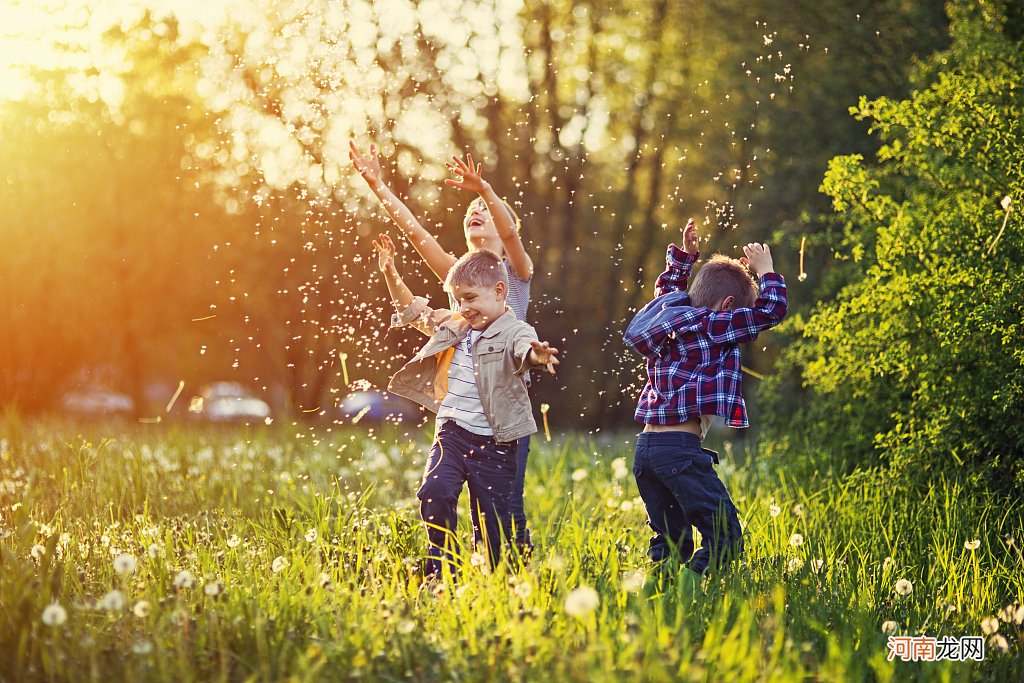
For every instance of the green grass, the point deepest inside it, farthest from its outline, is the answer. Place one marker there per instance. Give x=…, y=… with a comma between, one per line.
x=347, y=601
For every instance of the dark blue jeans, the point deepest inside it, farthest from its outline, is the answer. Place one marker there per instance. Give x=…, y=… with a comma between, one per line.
x=522, y=532
x=457, y=457
x=680, y=489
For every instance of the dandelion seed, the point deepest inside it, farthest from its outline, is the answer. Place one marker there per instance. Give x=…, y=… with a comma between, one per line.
x=141, y=609
x=774, y=510
x=889, y=627
x=280, y=564
x=406, y=626
x=143, y=647
x=311, y=536
x=972, y=545
x=113, y=601
x=989, y=625
x=523, y=590
x=632, y=582
x=794, y=564
x=796, y=540
x=54, y=615
x=234, y=541
x=904, y=588
x=581, y=601
x=184, y=579
x=37, y=552
x=124, y=563
x=1006, y=202
x=579, y=474
x=213, y=588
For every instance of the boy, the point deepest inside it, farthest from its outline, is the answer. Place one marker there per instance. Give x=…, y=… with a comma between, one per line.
x=470, y=373
x=691, y=343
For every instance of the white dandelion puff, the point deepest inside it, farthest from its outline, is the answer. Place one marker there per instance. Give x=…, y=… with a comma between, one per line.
x=889, y=627
x=579, y=474
x=972, y=545
x=904, y=588
x=184, y=579
x=141, y=609
x=54, y=615
x=124, y=563
x=581, y=601
x=113, y=601
x=280, y=564
x=989, y=625
x=796, y=540
x=311, y=536
x=632, y=582
x=794, y=564
x=774, y=510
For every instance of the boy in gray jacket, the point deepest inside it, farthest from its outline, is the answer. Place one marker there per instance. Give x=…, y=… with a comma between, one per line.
x=470, y=373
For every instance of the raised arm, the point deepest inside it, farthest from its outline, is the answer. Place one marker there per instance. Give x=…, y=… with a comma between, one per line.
x=401, y=295
x=471, y=178
x=679, y=262
x=657, y=321
x=439, y=260
x=744, y=324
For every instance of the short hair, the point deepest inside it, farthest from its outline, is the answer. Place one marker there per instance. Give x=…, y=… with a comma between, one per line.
x=720, y=277
x=481, y=268
x=516, y=221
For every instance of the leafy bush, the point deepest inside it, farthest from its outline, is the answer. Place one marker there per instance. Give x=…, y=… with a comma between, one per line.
x=918, y=362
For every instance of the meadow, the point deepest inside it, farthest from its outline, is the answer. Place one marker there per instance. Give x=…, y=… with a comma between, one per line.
x=155, y=552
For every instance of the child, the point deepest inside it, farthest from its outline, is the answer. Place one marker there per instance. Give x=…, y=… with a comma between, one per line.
x=691, y=343
x=489, y=223
x=470, y=373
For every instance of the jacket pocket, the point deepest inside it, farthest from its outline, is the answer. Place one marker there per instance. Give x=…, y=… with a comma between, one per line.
x=490, y=352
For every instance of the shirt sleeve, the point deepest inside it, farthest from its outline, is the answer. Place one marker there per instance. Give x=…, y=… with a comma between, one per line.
x=521, y=348
x=420, y=315
x=744, y=324
x=678, y=265
x=656, y=322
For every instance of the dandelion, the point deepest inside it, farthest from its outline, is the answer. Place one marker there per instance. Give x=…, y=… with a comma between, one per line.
x=627, y=506
x=579, y=474
x=544, y=408
x=143, y=647
x=523, y=590
x=311, y=536
x=798, y=510
x=184, y=579
x=325, y=580
x=406, y=626
x=632, y=582
x=997, y=643
x=280, y=564
x=794, y=564
x=817, y=564
x=477, y=560
x=1018, y=615
x=889, y=627
x=113, y=601
x=989, y=625
x=619, y=469
x=54, y=615
x=904, y=588
x=972, y=545
x=796, y=540
x=1006, y=614
x=581, y=601
x=234, y=541
x=124, y=563
x=141, y=609
x=774, y=510
x=155, y=551
x=37, y=552
x=213, y=588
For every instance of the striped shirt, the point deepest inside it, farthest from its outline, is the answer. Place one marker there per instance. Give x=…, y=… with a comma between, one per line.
x=462, y=402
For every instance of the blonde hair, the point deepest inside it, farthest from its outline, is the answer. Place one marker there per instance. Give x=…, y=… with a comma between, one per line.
x=720, y=277
x=481, y=268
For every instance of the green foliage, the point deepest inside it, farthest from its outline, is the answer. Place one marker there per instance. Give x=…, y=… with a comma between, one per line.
x=304, y=550
x=917, y=362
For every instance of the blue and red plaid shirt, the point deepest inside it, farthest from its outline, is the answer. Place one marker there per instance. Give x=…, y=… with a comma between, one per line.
x=693, y=354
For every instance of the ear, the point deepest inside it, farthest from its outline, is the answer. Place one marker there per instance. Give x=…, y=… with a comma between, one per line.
x=727, y=303
x=500, y=290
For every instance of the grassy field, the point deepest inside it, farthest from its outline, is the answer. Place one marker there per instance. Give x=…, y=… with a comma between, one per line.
x=163, y=553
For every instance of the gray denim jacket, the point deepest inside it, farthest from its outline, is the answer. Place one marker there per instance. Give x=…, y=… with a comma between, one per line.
x=500, y=359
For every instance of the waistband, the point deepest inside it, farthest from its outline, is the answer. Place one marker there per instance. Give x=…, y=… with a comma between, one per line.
x=476, y=439
x=678, y=439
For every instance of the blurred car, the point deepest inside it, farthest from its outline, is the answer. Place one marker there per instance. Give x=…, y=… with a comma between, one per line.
x=228, y=402
x=379, y=407
x=96, y=401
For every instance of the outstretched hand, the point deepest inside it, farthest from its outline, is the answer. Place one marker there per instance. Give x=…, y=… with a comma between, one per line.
x=385, y=252
x=758, y=258
x=368, y=166
x=470, y=175
x=691, y=240
x=543, y=354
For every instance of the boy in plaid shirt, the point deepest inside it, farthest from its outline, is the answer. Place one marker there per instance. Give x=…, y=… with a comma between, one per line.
x=690, y=341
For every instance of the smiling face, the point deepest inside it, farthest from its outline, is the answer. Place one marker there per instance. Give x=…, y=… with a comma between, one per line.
x=480, y=305
x=479, y=226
